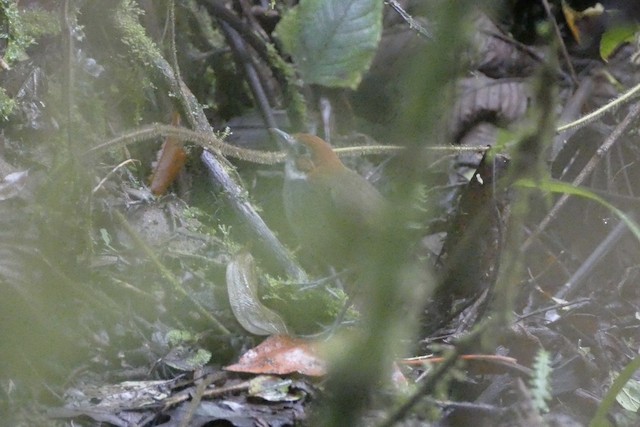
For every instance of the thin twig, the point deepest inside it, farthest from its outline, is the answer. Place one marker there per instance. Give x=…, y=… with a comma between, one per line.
x=69, y=74
x=570, y=111
x=245, y=61
x=595, y=115
x=413, y=23
x=174, y=49
x=206, y=140
x=220, y=11
x=428, y=385
x=211, y=142
x=111, y=172
x=577, y=280
x=563, y=48
x=634, y=111
x=196, y=398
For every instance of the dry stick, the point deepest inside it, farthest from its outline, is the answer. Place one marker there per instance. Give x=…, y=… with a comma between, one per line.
x=423, y=390
x=428, y=385
x=521, y=47
x=172, y=44
x=589, y=167
x=211, y=142
x=563, y=48
x=247, y=12
x=570, y=112
x=244, y=60
x=219, y=10
x=413, y=24
x=196, y=398
x=576, y=281
x=208, y=141
x=256, y=40
x=595, y=115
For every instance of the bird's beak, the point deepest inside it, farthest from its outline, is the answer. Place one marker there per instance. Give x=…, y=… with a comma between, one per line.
x=286, y=141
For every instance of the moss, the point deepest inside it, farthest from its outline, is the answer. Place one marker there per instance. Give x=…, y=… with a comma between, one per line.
x=134, y=35
x=40, y=23
x=206, y=25
x=129, y=65
x=6, y=105
x=305, y=310
x=297, y=107
x=22, y=29
x=14, y=31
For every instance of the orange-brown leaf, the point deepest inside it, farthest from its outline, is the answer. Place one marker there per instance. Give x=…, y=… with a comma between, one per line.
x=280, y=355
x=170, y=162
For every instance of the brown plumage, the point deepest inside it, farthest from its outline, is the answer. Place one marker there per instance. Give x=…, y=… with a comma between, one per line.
x=330, y=207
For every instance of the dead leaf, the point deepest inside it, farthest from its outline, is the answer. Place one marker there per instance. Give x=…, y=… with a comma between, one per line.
x=281, y=355
x=170, y=162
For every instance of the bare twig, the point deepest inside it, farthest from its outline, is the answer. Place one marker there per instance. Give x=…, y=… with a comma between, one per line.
x=570, y=111
x=244, y=60
x=633, y=113
x=172, y=32
x=413, y=23
x=576, y=281
x=435, y=376
x=595, y=115
x=212, y=142
x=217, y=8
x=563, y=48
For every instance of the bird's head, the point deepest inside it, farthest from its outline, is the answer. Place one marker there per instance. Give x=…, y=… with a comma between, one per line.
x=307, y=155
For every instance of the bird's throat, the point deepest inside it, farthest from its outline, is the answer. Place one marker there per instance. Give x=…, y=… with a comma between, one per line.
x=292, y=173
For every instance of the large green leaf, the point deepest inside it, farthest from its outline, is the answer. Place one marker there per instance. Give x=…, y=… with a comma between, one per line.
x=332, y=41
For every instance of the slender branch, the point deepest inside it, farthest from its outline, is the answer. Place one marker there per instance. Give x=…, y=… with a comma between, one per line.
x=172, y=32
x=211, y=142
x=244, y=60
x=218, y=9
x=595, y=115
x=428, y=385
x=413, y=23
x=563, y=47
x=206, y=140
x=633, y=113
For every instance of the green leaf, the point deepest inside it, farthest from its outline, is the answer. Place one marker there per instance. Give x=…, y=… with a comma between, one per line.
x=629, y=396
x=600, y=418
x=616, y=36
x=332, y=41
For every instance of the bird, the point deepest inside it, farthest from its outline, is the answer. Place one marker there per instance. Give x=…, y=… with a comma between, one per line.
x=331, y=209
